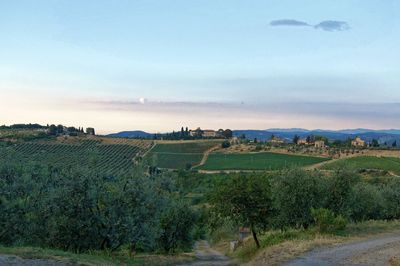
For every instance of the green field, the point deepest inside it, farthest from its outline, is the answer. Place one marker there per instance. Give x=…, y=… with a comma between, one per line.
x=257, y=161
x=113, y=159
x=390, y=164
x=179, y=155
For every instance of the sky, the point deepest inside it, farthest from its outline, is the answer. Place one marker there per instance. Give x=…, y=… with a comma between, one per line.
x=160, y=65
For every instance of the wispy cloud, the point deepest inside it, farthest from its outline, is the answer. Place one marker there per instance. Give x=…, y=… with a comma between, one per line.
x=332, y=25
x=288, y=22
x=326, y=25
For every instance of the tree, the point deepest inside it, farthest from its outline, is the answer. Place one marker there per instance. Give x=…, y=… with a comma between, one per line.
x=244, y=199
x=228, y=133
x=60, y=129
x=340, y=189
x=176, y=225
x=295, y=192
x=375, y=143
x=52, y=130
x=296, y=139
x=225, y=144
x=394, y=144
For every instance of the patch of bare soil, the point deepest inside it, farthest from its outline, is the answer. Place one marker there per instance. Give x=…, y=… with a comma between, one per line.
x=206, y=256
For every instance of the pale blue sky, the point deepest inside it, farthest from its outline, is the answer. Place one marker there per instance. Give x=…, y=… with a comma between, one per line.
x=196, y=52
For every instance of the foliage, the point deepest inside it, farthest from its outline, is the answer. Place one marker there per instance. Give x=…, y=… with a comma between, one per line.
x=245, y=200
x=81, y=209
x=367, y=202
x=327, y=222
x=176, y=227
x=225, y=144
x=340, y=192
x=295, y=193
x=391, y=199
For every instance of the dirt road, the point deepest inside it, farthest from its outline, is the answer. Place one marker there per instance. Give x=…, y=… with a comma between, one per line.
x=374, y=251
x=206, y=256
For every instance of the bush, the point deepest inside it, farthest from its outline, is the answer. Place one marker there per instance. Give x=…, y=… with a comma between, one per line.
x=177, y=225
x=225, y=144
x=295, y=192
x=327, y=222
x=367, y=202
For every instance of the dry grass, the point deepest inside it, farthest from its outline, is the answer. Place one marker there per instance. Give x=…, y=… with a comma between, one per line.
x=96, y=258
x=395, y=261
x=278, y=247
x=278, y=254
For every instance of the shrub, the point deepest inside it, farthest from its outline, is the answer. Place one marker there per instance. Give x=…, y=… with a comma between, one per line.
x=295, y=192
x=327, y=222
x=225, y=144
x=367, y=202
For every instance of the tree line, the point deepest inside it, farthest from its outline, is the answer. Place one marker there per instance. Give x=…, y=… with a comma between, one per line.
x=81, y=209
x=300, y=199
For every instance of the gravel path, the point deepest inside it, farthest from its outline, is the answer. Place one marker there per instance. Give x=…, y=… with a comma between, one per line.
x=10, y=260
x=206, y=256
x=375, y=251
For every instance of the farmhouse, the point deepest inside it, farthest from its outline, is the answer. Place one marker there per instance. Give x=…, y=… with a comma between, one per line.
x=302, y=142
x=358, y=142
x=195, y=133
x=319, y=144
x=276, y=140
x=208, y=133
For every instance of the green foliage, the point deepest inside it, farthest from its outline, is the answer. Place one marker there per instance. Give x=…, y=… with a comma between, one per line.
x=391, y=199
x=176, y=227
x=225, y=144
x=327, y=222
x=340, y=192
x=246, y=200
x=81, y=209
x=295, y=193
x=367, y=202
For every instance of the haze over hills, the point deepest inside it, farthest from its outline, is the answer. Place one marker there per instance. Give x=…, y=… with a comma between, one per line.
x=384, y=135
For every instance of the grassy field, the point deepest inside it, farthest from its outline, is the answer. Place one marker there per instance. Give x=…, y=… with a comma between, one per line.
x=95, y=258
x=257, y=161
x=179, y=155
x=114, y=159
x=390, y=164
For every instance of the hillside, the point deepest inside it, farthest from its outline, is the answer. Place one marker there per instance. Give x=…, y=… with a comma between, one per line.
x=113, y=157
x=179, y=155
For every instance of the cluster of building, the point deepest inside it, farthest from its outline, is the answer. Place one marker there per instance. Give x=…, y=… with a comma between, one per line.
x=209, y=133
x=315, y=143
x=358, y=142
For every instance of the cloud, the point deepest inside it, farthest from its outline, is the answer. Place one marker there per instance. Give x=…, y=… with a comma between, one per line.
x=288, y=22
x=332, y=25
x=326, y=25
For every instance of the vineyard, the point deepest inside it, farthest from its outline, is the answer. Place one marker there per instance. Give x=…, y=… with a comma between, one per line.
x=179, y=155
x=108, y=158
x=257, y=161
x=390, y=164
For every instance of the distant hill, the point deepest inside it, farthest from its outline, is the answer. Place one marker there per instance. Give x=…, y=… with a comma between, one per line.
x=131, y=134
x=388, y=136
x=383, y=136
